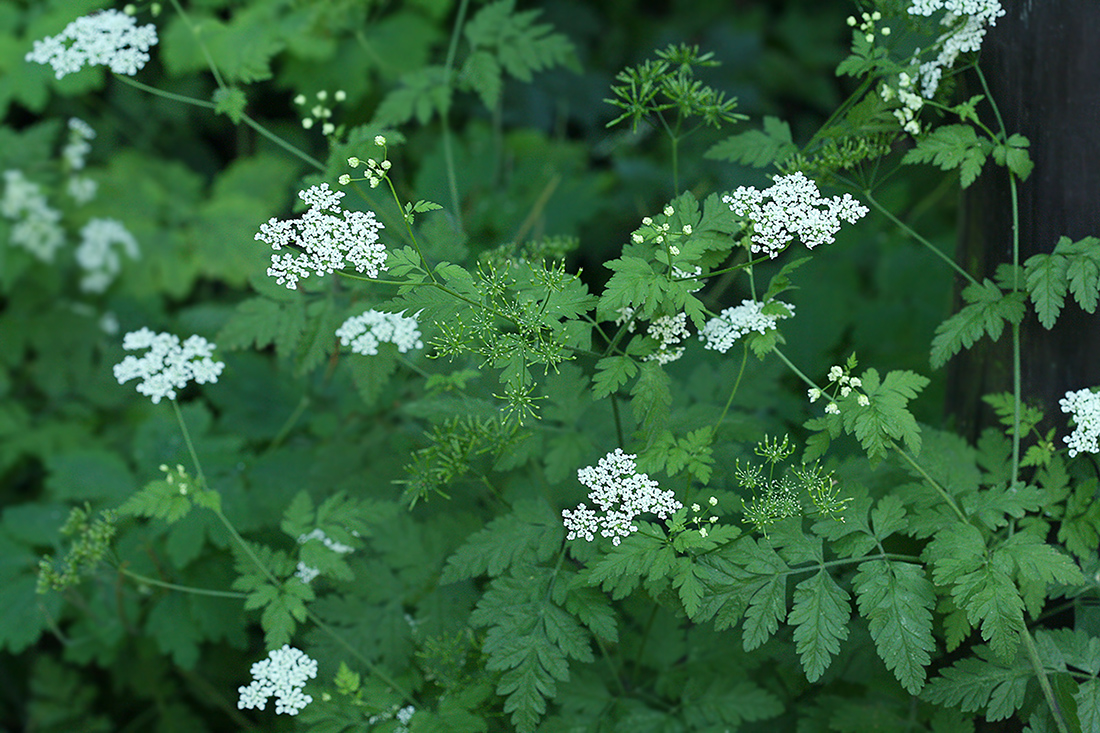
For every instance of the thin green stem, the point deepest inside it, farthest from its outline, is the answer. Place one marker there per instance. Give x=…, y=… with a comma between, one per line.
x=793, y=368
x=166, y=95
x=908, y=230
x=182, y=588
x=304, y=156
x=284, y=431
x=1044, y=682
x=1017, y=396
x=246, y=548
x=211, y=106
x=931, y=482
x=736, y=384
x=205, y=52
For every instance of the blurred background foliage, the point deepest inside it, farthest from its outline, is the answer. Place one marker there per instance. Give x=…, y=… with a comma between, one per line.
x=193, y=188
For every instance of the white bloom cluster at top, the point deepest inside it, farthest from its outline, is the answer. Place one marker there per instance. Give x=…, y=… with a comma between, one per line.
x=100, y=261
x=792, y=207
x=364, y=333
x=1084, y=405
x=721, y=332
x=328, y=238
x=283, y=674
x=107, y=38
x=621, y=494
x=168, y=366
x=968, y=20
x=36, y=229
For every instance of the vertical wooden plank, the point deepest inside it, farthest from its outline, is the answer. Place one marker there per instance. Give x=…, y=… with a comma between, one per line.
x=1042, y=63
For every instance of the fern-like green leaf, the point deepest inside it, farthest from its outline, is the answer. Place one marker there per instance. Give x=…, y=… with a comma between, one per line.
x=820, y=616
x=886, y=418
x=981, y=683
x=1083, y=270
x=758, y=148
x=1047, y=283
x=986, y=314
x=523, y=46
x=531, y=533
x=897, y=599
x=950, y=147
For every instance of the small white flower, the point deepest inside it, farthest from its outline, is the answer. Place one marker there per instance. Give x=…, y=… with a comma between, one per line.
x=637, y=238
x=365, y=332
x=379, y=141
x=673, y=250
x=687, y=229
x=169, y=365
x=668, y=331
x=668, y=211
x=832, y=408
x=863, y=400
x=107, y=38
x=283, y=674
x=835, y=373
x=814, y=394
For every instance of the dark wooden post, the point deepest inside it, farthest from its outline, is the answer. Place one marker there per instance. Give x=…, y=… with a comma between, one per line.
x=1042, y=63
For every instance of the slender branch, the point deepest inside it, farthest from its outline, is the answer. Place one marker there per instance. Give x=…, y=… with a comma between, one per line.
x=909, y=230
x=1044, y=681
x=182, y=588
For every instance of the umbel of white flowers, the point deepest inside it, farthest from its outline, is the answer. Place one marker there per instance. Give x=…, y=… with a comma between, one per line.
x=169, y=365
x=107, y=38
x=365, y=332
x=621, y=495
x=283, y=674
x=327, y=238
x=1084, y=406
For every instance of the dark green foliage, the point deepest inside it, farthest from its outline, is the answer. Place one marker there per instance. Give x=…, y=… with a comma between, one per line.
x=399, y=516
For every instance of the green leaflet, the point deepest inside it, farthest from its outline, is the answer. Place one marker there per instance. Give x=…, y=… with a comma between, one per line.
x=988, y=311
x=951, y=147
x=897, y=600
x=982, y=683
x=820, y=616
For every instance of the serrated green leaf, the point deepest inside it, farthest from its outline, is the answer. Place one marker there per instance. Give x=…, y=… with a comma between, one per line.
x=758, y=148
x=950, y=147
x=522, y=45
x=1047, y=284
x=974, y=684
x=612, y=372
x=897, y=599
x=530, y=533
x=820, y=616
x=1088, y=704
x=767, y=608
x=887, y=417
x=986, y=314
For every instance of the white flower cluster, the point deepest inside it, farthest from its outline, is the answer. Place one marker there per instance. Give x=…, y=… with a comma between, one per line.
x=283, y=674
x=402, y=715
x=169, y=365
x=328, y=238
x=98, y=253
x=75, y=153
x=36, y=226
x=107, y=38
x=721, y=332
x=306, y=573
x=1084, y=405
x=364, y=333
x=792, y=207
x=968, y=20
x=320, y=112
x=666, y=331
x=843, y=384
x=911, y=103
x=621, y=494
